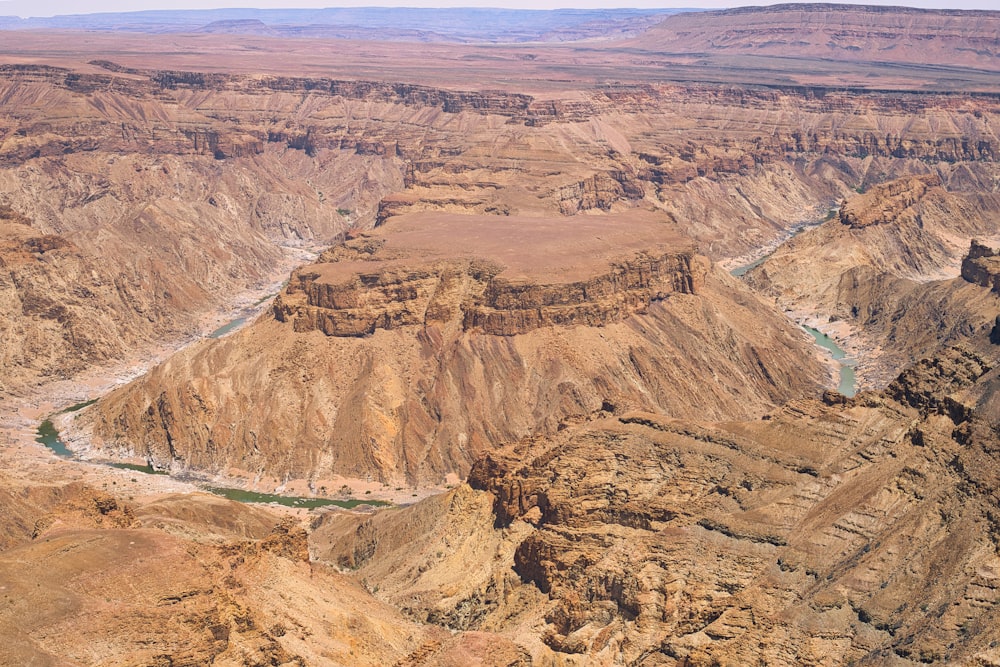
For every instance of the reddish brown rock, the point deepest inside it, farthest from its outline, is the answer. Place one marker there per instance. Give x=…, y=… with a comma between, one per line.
x=981, y=266
x=498, y=277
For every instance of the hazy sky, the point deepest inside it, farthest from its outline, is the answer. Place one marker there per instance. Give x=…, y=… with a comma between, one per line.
x=54, y=7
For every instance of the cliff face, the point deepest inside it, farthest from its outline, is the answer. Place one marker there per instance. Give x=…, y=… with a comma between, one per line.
x=893, y=202
x=125, y=221
x=452, y=336
x=833, y=32
x=981, y=266
x=388, y=296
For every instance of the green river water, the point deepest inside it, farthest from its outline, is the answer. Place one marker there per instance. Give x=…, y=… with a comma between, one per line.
x=848, y=385
x=226, y=328
x=48, y=435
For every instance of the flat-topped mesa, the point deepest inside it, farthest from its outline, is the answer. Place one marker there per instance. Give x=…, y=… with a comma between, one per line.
x=450, y=101
x=426, y=269
x=981, y=266
x=891, y=202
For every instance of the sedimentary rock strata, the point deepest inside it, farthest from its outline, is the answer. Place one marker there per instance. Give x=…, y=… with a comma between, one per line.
x=889, y=203
x=214, y=170
x=518, y=289
x=407, y=352
x=856, y=33
x=498, y=277
x=888, y=265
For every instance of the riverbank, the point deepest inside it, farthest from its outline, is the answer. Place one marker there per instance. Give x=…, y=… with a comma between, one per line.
x=841, y=335
x=23, y=458
x=847, y=384
x=739, y=266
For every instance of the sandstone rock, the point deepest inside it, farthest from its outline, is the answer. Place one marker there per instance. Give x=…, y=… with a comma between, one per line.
x=899, y=35
x=488, y=282
x=701, y=543
x=888, y=203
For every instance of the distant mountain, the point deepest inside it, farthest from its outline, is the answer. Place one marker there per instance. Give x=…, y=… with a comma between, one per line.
x=851, y=33
x=451, y=25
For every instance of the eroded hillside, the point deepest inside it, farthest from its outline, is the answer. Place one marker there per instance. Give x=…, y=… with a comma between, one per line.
x=884, y=272
x=121, y=161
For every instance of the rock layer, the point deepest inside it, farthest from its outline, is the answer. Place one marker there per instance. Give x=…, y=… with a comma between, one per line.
x=981, y=267
x=886, y=269
x=889, y=203
x=501, y=285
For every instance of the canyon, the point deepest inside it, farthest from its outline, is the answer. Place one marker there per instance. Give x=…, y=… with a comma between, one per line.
x=489, y=280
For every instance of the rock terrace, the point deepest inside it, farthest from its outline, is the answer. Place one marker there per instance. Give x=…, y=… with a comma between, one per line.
x=500, y=275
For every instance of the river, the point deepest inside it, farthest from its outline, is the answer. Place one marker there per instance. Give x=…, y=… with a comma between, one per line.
x=48, y=435
x=229, y=326
x=848, y=384
x=770, y=249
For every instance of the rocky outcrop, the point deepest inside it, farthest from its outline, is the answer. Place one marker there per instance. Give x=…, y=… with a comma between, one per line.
x=697, y=542
x=892, y=202
x=981, y=266
x=890, y=271
x=205, y=594
x=929, y=383
x=600, y=191
x=634, y=283
x=406, y=352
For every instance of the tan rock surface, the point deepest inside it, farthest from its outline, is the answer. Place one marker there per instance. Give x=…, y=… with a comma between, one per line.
x=119, y=160
x=652, y=487
x=817, y=32
x=123, y=227
x=434, y=357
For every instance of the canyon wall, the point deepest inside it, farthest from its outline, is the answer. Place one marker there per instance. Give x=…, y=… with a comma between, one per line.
x=179, y=187
x=980, y=266
x=884, y=268
x=803, y=538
